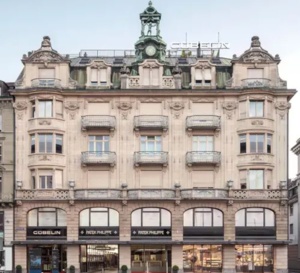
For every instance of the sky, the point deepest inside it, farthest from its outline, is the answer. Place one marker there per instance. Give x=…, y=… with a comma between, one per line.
x=74, y=25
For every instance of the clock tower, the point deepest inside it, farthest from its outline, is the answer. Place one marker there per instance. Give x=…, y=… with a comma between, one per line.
x=150, y=44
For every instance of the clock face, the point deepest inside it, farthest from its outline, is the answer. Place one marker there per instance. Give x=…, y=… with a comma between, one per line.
x=150, y=50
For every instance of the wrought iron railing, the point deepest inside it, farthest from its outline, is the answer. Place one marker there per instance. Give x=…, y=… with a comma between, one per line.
x=151, y=122
x=203, y=158
x=203, y=122
x=150, y=158
x=256, y=83
x=108, y=122
x=47, y=83
x=98, y=158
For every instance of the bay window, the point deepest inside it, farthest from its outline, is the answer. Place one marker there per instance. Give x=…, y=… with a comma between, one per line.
x=46, y=143
x=255, y=143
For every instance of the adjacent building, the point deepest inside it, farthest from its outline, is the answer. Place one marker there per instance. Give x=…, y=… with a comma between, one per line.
x=151, y=158
x=6, y=176
x=294, y=216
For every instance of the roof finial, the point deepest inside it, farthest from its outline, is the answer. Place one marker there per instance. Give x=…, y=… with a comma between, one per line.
x=150, y=3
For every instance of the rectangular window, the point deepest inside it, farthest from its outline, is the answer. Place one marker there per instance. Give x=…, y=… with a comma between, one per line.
x=1, y=224
x=45, y=143
x=32, y=144
x=269, y=143
x=58, y=109
x=203, y=143
x=33, y=109
x=98, y=143
x=1, y=187
x=291, y=229
x=257, y=143
x=2, y=257
x=58, y=144
x=45, y=108
x=33, y=180
x=256, y=108
x=243, y=146
x=255, y=219
x=94, y=76
x=46, y=182
x=256, y=179
x=291, y=210
x=151, y=144
x=1, y=123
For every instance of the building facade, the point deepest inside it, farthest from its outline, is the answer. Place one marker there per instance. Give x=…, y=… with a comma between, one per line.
x=294, y=216
x=6, y=176
x=151, y=158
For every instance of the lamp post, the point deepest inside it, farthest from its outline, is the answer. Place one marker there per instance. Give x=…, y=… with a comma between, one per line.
x=229, y=184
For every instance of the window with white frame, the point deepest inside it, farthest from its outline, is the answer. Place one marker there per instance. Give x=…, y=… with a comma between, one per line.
x=256, y=108
x=46, y=143
x=203, y=143
x=151, y=144
x=47, y=217
x=151, y=217
x=99, y=217
x=46, y=179
x=255, y=143
x=98, y=76
x=255, y=217
x=255, y=179
x=203, y=217
x=98, y=143
x=1, y=125
x=1, y=185
x=46, y=109
x=203, y=77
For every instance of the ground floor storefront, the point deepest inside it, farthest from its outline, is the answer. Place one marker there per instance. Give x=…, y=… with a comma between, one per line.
x=147, y=258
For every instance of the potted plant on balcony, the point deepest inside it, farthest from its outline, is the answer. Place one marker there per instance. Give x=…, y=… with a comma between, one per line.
x=72, y=269
x=18, y=269
x=175, y=268
x=124, y=268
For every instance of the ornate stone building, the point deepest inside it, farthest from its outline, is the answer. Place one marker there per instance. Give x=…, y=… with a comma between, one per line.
x=6, y=176
x=151, y=158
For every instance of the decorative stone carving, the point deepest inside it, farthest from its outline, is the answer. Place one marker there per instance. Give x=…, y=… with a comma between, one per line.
x=176, y=107
x=257, y=158
x=229, y=108
x=229, y=82
x=44, y=158
x=20, y=105
x=46, y=57
x=150, y=100
x=125, y=108
x=45, y=122
x=72, y=108
x=99, y=64
x=257, y=122
x=257, y=57
x=282, y=108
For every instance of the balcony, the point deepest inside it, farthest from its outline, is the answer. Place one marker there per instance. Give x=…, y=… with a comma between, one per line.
x=203, y=158
x=98, y=158
x=46, y=83
x=151, y=194
x=275, y=194
x=98, y=122
x=203, y=122
x=151, y=123
x=256, y=83
x=44, y=194
x=150, y=158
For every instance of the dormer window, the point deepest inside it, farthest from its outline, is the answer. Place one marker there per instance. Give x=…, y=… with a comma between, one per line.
x=98, y=77
x=46, y=77
x=203, y=77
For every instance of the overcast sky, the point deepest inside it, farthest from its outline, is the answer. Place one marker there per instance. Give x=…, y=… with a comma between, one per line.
x=114, y=24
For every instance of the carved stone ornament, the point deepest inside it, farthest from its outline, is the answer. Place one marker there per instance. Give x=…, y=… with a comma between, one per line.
x=44, y=158
x=125, y=107
x=98, y=64
x=20, y=105
x=282, y=108
x=257, y=158
x=72, y=108
x=150, y=100
x=229, y=108
x=44, y=122
x=257, y=57
x=257, y=122
x=151, y=64
x=176, y=107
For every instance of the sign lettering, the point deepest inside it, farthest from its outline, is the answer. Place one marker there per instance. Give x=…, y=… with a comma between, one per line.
x=203, y=46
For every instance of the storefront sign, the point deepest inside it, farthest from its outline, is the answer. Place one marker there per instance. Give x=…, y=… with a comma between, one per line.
x=98, y=232
x=150, y=232
x=46, y=233
x=202, y=46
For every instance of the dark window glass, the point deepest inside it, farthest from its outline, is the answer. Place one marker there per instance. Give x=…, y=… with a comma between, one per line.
x=32, y=144
x=291, y=228
x=269, y=143
x=58, y=145
x=243, y=145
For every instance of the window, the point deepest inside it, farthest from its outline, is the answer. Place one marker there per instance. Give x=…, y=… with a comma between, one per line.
x=98, y=76
x=256, y=179
x=203, y=77
x=203, y=217
x=269, y=143
x=46, y=179
x=46, y=182
x=257, y=143
x=255, y=217
x=1, y=122
x=99, y=217
x=256, y=108
x=98, y=143
x=47, y=143
x=291, y=210
x=45, y=108
x=203, y=143
x=1, y=224
x=243, y=148
x=291, y=229
x=47, y=217
x=151, y=144
x=151, y=217
x=1, y=187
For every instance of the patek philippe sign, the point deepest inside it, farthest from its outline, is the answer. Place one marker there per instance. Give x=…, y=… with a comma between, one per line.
x=94, y=232
x=202, y=46
x=46, y=233
x=150, y=232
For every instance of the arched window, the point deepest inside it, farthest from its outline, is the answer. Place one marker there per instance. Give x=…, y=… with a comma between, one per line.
x=151, y=217
x=255, y=217
x=47, y=217
x=99, y=217
x=203, y=217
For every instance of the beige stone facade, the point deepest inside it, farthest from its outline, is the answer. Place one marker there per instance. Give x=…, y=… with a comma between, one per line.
x=94, y=133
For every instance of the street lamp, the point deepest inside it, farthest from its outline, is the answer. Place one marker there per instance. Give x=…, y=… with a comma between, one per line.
x=72, y=184
x=19, y=185
x=230, y=184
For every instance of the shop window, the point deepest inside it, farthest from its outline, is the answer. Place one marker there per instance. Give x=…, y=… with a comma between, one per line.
x=256, y=108
x=99, y=217
x=151, y=217
x=255, y=217
x=203, y=217
x=151, y=144
x=98, y=143
x=46, y=143
x=47, y=217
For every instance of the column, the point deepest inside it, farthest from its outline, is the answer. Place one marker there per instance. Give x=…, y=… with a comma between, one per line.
x=125, y=256
x=281, y=259
x=177, y=257
x=228, y=259
x=73, y=257
x=21, y=257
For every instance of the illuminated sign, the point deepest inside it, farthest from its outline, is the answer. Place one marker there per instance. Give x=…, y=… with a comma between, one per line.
x=202, y=46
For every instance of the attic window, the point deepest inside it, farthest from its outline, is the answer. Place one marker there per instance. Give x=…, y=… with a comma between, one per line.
x=203, y=77
x=98, y=76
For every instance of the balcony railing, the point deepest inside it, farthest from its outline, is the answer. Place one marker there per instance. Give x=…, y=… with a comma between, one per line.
x=151, y=194
x=198, y=158
x=98, y=158
x=256, y=83
x=43, y=194
x=204, y=193
x=46, y=83
x=151, y=158
x=98, y=122
x=151, y=122
x=259, y=194
x=203, y=122
x=98, y=194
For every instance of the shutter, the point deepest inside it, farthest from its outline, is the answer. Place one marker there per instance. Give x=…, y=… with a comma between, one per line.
x=94, y=75
x=103, y=75
x=198, y=74
x=46, y=73
x=207, y=74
